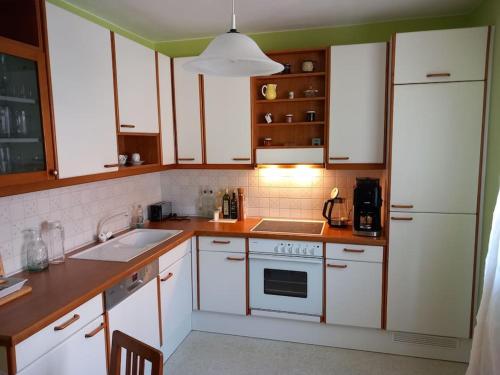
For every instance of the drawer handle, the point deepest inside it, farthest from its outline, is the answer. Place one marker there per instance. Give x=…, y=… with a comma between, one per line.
x=111, y=165
x=218, y=242
x=237, y=259
x=67, y=323
x=95, y=331
x=402, y=205
x=241, y=159
x=437, y=75
x=339, y=158
x=169, y=276
x=401, y=218
x=359, y=251
x=127, y=126
x=337, y=265
x=185, y=159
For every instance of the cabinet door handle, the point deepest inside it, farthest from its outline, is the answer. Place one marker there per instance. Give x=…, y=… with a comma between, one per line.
x=111, y=165
x=67, y=323
x=437, y=75
x=127, y=126
x=402, y=205
x=185, y=159
x=95, y=331
x=241, y=159
x=359, y=251
x=337, y=265
x=408, y=218
x=219, y=242
x=54, y=172
x=237, y=259
x=169, y=276
x=339, y=157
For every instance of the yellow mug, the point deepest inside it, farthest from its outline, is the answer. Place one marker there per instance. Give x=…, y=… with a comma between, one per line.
x=269, y=91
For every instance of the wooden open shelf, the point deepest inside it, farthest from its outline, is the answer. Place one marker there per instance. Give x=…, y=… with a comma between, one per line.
x=300, y=132
x=147, y=145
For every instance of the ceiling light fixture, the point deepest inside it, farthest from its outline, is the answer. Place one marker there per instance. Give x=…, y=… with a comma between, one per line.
x=233, y=55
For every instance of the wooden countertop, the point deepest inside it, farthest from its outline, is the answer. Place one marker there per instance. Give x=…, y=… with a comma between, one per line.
x=64, y=287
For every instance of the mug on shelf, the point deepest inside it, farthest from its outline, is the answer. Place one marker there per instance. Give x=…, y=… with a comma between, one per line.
x=136, y=157
x=269, y=91
x=307, y=66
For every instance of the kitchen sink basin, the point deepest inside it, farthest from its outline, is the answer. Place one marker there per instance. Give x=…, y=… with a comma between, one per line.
x=127, y=246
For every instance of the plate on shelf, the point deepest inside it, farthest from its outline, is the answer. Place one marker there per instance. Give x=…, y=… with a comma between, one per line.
x=136, y=162
x=9, y=285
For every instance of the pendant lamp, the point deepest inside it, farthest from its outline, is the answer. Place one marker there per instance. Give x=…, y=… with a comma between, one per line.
x=233, y=55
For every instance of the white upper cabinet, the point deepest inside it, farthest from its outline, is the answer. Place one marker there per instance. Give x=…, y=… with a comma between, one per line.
x=436, y=147
x=358, y=82
x=440, y=56
x=166, y=110
x=82, y=92
x=187, y=114
x=136, y=85
x=227, y=120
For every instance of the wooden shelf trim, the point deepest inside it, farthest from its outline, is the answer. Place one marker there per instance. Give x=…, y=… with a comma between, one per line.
x=292, y=75
x=285, y=147
x=305, y=99
x=299, y=123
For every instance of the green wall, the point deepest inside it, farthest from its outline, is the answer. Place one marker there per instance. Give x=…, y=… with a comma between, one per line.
x=489, y=13
x=312, y=38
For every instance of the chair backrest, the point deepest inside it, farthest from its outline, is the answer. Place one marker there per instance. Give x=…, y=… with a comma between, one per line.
x=137, y=353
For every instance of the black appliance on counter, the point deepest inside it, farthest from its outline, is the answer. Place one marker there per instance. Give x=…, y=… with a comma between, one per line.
x=160, y=211
x=367, y=207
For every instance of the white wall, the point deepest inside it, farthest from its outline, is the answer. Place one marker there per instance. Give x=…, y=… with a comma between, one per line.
x=79, y=208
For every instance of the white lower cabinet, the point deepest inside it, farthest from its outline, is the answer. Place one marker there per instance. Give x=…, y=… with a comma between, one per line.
x=176, y=304
x=83, y=353
x=354, y=285
x=138, y=315
x=222, y=282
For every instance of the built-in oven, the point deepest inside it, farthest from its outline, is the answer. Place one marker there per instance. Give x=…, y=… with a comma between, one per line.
x=286, y=278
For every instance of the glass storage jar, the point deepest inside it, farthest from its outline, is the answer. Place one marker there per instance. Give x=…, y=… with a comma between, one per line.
x=37, y=254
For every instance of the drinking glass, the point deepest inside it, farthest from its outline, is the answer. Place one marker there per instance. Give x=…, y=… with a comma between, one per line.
x=4, y=159
x=4, y=122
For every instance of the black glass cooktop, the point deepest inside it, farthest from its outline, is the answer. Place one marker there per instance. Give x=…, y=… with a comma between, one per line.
x=312, y=228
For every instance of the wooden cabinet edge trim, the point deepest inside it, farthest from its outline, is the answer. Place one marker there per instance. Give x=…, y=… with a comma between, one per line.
x=355, y=166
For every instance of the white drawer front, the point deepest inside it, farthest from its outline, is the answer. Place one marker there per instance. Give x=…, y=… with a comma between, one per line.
x=41, y=342
x=229, y=244
x=174, y=255
x=441, y=55
x=355, y=252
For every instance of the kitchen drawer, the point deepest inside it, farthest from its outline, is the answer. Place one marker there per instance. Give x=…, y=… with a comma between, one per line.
x=41, y=342
x=228, y=244
x=355, y=252
x=174, y=255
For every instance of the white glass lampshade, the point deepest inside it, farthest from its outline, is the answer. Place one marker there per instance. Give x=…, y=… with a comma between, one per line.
x=233, y=55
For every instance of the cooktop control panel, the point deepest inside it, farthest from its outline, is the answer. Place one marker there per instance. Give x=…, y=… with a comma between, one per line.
x=286, y=247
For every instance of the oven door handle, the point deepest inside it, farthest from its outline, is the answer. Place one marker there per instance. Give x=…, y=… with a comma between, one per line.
x=283, y=258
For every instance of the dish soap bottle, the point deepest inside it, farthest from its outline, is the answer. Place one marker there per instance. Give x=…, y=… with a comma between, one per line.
x=233, y=206
x=226, y=214
x=138, y=217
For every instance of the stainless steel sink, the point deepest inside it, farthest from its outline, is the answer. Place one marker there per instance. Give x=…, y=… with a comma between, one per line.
x=127, y=246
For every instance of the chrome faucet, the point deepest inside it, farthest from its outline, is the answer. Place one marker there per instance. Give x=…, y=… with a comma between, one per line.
x=104, y=236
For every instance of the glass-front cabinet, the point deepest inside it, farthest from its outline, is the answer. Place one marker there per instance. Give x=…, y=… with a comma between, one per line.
x=26, y=144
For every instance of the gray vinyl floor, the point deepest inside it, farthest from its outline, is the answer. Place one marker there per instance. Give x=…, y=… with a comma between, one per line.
x=214, y=354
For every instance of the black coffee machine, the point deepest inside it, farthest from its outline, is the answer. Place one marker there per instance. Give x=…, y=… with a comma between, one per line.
x=367, y=207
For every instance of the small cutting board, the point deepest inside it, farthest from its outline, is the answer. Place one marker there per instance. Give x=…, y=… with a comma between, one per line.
x=11, y=297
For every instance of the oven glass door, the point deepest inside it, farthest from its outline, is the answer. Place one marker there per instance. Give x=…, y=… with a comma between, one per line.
x=286, y=284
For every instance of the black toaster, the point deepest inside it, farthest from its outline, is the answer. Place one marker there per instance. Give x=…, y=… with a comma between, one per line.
x=160, y=211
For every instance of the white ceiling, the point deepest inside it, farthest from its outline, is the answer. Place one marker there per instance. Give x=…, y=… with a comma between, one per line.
x=160, y=20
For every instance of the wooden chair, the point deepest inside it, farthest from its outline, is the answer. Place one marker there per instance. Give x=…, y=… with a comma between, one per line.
x=137, y=353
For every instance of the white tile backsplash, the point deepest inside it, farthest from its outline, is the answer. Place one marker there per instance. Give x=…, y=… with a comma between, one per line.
x=272, y=192
x=78, y=207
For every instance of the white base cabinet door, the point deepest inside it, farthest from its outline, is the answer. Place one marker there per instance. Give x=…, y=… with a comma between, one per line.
x=82, y=92
x=138, y=315
x=357, y=109
x=431, y=262
x=78, y=355
x=176, y=304
x=222, y=282
x=227, y=120
x=187, y=114
x=136, y=86
x=436, y=147
x=354, y=293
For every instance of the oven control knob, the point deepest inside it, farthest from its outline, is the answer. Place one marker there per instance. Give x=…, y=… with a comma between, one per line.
x=311, y=251
x=304, y=251
x=290, y=250
x=282, y=248
x=276, y=250
x=297, y=249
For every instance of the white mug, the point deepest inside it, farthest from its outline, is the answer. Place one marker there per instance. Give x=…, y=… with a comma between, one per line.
x=136, y=157
x=122, y=159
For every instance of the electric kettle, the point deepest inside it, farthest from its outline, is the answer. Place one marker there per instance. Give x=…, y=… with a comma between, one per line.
x=335, y=210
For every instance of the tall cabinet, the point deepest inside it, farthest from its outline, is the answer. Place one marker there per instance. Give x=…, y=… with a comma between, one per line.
x=438, y=88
